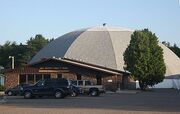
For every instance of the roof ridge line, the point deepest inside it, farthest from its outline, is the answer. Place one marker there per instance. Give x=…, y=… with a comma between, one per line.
x=113, y=48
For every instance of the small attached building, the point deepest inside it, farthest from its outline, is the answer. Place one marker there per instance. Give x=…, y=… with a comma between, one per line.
x=66, y=68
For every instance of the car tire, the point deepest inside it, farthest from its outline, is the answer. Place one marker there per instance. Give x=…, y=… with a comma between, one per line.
x=94, y=93
x=28, y=95
x=58, y=95
x=9, y=93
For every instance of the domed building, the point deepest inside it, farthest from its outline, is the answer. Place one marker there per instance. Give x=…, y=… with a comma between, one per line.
x=94, y=54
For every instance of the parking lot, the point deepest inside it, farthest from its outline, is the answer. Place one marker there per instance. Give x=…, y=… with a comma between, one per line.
x=159, y=101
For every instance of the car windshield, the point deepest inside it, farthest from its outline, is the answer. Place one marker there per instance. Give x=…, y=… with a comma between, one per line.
x=73, y=82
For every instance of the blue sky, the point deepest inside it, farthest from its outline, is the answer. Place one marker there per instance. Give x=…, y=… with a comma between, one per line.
x=22, y=19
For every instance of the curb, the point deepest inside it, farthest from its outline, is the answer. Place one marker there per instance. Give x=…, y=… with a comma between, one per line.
x=123, y=92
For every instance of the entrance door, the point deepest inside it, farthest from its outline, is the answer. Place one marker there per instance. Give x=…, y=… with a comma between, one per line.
x=78, y=76
x=99, y=80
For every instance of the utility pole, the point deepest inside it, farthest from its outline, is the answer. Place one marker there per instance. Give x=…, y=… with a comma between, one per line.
x=12, y=57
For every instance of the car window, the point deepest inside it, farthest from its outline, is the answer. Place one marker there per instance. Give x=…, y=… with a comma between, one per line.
x=50, y=82
x=40, y=83
x=87, y=83
x=62, y=82
x=74, y=82
x=80, y=82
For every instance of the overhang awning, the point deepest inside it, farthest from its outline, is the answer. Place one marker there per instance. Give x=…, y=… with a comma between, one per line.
x=81, y=64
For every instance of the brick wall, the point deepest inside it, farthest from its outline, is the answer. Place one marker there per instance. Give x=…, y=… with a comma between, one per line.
x=11, y=80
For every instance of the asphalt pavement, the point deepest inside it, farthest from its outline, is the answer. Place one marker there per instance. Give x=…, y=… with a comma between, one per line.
x=159, y=101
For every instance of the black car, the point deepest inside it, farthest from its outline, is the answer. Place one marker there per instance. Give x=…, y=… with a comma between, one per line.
x=59, y=88
x=17, y=90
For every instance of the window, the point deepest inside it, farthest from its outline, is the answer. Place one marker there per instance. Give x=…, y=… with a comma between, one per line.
x=99, y=80
x=30, y=79
x=38, y=77
x=59, y=76
x=62, y=82
x=22, y=79
x=87, y=83
x=80, y=82
x=47, y=76
x=50, y=82
x=74, y=82
x=78, y=76
x=40, y=83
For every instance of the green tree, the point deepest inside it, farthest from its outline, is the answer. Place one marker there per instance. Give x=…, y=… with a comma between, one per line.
x=173, y=48
x=144, y=58
x=36, y=43
x=12, y=49
x=22, y=53
x=6, y=50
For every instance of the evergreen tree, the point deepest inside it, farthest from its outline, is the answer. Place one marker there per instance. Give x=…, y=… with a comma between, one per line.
x=144, y=58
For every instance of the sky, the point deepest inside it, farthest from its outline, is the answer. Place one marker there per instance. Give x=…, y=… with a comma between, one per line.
x=22, y=19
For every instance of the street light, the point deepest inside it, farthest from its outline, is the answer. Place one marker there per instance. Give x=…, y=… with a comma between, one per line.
x=12, y=57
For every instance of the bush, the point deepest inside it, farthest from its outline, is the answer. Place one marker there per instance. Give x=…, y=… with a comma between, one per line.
x=2, y=88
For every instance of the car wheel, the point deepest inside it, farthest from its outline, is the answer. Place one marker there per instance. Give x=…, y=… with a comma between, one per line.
x=10, y=93
x=74, y=94
x=27, y=95
x=59, y=94
x=94, y=93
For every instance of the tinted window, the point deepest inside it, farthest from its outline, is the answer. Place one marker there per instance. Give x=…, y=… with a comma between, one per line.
x=87, y=83
x=62, y=82
x=74, y=82
x=40, y=83
x=50, y=82
x=80, y=82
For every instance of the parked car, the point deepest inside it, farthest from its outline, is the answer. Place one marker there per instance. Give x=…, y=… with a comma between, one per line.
x=86, y=87
x=75, y=91
x=17, y=90
x=59, y=88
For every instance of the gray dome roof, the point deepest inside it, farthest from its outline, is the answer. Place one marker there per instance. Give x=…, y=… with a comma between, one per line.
x=103, y=46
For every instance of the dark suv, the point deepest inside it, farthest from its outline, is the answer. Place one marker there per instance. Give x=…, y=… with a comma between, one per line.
x=59, y=88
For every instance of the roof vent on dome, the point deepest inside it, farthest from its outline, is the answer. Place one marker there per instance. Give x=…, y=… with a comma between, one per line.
x=104, y=24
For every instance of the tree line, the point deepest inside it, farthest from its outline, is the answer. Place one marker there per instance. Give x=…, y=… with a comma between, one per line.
x=173, y=48
x=21, y=52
